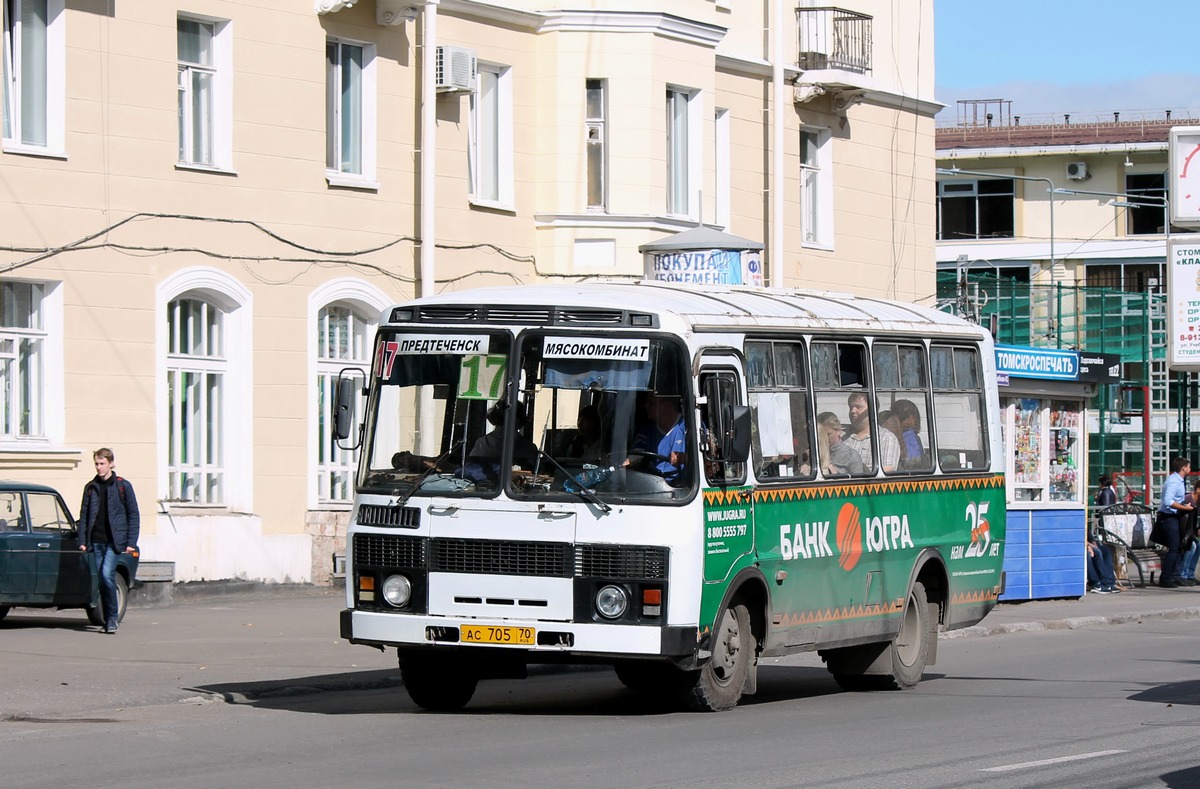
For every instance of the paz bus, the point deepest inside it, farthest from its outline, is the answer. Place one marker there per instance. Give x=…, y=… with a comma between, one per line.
x=674, y=481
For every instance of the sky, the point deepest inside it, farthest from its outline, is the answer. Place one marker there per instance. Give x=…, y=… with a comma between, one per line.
x=1084, y=57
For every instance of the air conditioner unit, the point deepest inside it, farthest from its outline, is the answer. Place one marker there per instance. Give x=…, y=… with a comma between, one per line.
x=455, y=70
x=1077, y=171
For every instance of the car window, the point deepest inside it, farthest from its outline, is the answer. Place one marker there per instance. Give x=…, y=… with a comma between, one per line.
x=46, y=513
x=11, y=512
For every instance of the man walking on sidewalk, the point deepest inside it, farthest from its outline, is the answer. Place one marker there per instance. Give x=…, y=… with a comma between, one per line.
x=1172, y=509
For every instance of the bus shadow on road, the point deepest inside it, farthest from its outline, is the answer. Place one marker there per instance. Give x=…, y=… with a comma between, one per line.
x=1187, y=692
x=593, y=691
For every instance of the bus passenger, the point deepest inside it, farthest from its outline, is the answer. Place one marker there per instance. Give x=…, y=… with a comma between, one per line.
x=834, y=454
x=910, y=428
x=663, y=436
x=588, y=443
x=858, y=436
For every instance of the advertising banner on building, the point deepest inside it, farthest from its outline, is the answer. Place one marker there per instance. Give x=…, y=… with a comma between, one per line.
x=1183, y=305
x=1183, y=172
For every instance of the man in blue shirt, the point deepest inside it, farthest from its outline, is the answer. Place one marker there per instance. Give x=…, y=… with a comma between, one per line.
x=1171, y=510
x=664, y=436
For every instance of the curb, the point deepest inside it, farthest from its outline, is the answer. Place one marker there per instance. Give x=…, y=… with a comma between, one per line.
x=1071, y=623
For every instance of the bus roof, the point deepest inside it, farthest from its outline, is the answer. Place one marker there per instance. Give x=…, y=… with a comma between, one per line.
x=689, y=307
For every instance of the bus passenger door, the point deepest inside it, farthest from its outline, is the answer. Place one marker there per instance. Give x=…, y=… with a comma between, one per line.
x=728, y=500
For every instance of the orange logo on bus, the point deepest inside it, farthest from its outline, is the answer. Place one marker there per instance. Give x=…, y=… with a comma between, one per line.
x=849, y=536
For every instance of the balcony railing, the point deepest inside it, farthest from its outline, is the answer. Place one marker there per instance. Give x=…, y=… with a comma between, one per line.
x=834, y=38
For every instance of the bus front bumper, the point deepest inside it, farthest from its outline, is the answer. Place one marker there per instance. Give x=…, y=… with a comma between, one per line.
x=574, y=638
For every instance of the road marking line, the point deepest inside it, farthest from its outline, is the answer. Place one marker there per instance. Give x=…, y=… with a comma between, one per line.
x=1042, y=762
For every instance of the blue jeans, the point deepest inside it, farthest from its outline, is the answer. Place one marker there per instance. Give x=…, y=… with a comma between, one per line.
x=106, y=563
x=1100, y=568
x=1188, y=565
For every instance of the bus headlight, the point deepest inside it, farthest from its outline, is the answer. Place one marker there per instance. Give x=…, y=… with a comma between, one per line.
x=611, y=602
x=397, y=590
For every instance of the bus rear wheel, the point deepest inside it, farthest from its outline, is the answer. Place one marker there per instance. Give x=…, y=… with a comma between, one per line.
x=897, y=665
x=437, y=686
x=720, y=683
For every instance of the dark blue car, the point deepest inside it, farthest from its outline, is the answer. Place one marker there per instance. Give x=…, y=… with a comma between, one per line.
x=41, y=565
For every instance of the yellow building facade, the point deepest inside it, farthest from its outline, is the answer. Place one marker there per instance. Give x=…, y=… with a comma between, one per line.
x=205, y=207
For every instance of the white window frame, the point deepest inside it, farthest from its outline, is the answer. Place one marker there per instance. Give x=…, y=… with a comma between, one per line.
x=335, y=172
x=492, y=133
x=55, y=76
x=683, y=157
x=371, y=302
x=596, y=138
x=44, y=394
x=221, y=108
x=723, y=147
x=235, y=435
x=816, y=188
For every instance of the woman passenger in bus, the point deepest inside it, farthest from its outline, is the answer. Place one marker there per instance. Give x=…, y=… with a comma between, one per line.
x=588, y=443
x=910, y=427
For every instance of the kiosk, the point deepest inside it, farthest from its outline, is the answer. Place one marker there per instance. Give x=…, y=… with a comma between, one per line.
x=1043, y=397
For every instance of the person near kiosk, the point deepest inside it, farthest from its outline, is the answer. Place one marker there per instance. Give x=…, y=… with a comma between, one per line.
x=1172, y=512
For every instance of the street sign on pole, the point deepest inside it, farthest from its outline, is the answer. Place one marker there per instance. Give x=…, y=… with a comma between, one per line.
x=1183, y=305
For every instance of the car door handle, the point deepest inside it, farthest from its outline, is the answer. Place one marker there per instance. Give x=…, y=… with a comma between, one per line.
x=43, y=545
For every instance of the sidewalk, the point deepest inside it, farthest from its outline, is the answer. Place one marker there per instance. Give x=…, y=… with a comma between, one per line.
x=1132, y=605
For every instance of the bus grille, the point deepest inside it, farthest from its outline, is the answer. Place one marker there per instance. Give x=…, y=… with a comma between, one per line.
x=488, y=557
x=621, y=561
x=399, y=517
x=383, y=550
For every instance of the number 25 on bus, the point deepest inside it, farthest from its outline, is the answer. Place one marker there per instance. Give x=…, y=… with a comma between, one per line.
x=674, y=481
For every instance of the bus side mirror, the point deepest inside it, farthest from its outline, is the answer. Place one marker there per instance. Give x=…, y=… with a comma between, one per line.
x=345, y=398
x=735, y=444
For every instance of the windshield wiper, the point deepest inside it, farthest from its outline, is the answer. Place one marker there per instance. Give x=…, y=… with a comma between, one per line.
x=416, y=483
x=584, y=492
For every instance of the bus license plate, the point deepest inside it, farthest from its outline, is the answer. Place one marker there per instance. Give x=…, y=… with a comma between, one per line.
x=490, y=634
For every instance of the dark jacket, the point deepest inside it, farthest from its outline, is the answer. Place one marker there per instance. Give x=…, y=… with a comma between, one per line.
x=1106, y=497
x=123, y=519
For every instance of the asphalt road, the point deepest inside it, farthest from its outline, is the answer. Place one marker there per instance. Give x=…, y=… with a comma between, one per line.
x=262, y=693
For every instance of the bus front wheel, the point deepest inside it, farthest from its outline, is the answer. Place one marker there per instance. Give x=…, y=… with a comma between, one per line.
x=720, y=683
x=437, y=686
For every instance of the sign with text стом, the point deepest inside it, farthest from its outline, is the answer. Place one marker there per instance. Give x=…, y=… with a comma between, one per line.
x=1183, y=305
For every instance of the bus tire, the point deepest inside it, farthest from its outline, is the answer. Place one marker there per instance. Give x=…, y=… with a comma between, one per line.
x=437, y=686
x=96, y=613
x=720, y=683
x=896, y=665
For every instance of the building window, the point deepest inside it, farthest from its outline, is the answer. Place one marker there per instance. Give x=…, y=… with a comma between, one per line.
x=1150, y=192
x=22, y=365
x=196, y=372
x=33, y=59
x=349, y=111
x=975, y=209
x=597, y=133
x=343, y=340
x=683, y=147
x=491, y=137
x=816, y=187
x=724, y=187
x=204, y=92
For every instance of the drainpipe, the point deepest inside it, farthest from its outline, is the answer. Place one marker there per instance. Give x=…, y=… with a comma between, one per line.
x=778, y=97
x=426, y=426
x=428, y=161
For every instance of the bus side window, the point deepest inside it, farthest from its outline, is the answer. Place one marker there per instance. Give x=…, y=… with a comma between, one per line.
x=959, y=429
x=720, y=390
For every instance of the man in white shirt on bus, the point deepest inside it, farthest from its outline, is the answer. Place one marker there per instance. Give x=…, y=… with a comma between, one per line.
x=858, y=435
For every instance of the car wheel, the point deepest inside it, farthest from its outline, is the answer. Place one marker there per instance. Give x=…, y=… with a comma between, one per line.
x=3, y=611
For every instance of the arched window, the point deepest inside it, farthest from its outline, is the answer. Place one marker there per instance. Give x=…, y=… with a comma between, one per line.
x=197, y=368
x=343, y=340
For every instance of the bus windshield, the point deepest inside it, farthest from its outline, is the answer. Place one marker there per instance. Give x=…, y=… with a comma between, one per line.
x=436, y=414
x=608, y=414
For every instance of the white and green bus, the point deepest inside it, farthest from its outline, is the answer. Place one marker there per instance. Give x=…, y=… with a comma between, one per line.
x=675, y=481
